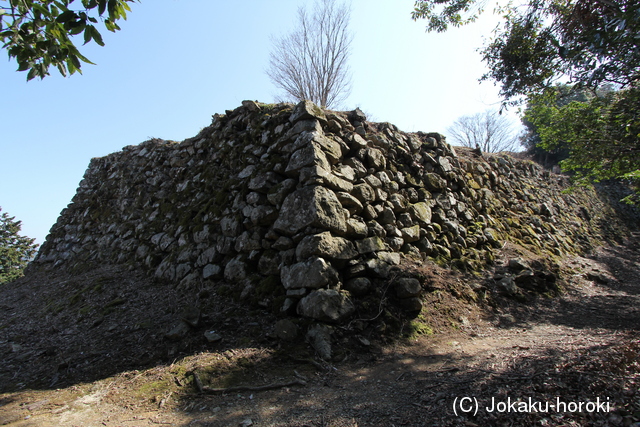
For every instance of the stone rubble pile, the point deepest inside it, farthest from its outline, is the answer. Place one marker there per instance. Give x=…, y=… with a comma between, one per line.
x=304, y=210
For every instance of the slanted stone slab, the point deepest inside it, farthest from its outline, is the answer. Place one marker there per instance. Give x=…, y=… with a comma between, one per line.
x=311, y=206
x=337, y=184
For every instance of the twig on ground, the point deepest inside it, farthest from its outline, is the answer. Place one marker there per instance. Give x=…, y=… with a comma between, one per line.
x=211, y=390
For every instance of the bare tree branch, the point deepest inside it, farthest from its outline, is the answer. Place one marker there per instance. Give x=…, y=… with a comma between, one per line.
x=311, y=62
x=489, y=131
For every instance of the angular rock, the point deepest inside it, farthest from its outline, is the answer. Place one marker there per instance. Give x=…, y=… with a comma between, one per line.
x=375, y=229
x=359, y=286
x=311, y=206
x=309, y=125
x=411, y=305
x=434, y=182
x=518, y=264
x=307, y=110
x=313, y=273
x=350, y=203
x=308, y=155
x=178, y=332
x=262, y=182
x=331, y=148
x=337, y=184
x=373, y=181
x=444, y=163
x=507, y=286
x=247, y=171
x=392, y=258
x=411, y=234
x=225, y=245
x=283, y=243
x=231, y=226
x=370, y=244
x=269, y=263
x=364, y=193
x=378, y=267
x=319, y=336
x=357, y=115
x=386, y=216
x=346, y=172
x=492, y=235
x=236, y=269
x=313, y=175
x=278, y=192
x=358, y=142
x=375, y=158
x=212, y=336
x=394, y=243
x=251, y=106
x=407, y=287
x=211, y=271
x=263, y=215
x=208, y=256
x=326, y=305
x=356, y=228
x=325, y=245
x=399, y=202
x=286, y=330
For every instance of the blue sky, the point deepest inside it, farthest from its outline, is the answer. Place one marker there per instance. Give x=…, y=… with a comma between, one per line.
x=177, y=62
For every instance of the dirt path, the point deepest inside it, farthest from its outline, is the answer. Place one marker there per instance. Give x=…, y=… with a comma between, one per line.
x=582, y=347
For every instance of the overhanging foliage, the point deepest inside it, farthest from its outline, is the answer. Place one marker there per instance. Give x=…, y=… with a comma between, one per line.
x=38, y=34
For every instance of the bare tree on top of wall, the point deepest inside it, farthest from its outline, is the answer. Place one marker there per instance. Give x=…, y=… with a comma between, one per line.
x=489, y=131
x=311, y=62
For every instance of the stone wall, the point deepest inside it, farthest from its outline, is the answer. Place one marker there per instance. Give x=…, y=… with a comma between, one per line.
x=300, y=209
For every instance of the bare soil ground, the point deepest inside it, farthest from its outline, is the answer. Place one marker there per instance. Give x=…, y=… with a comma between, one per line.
x=92, y=360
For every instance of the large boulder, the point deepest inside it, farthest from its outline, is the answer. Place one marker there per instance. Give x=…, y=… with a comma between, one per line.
x=311, y=206
x=326, y=305
x=313, y=273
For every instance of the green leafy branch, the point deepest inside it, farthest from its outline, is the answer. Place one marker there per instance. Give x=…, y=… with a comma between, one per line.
x=38, y=33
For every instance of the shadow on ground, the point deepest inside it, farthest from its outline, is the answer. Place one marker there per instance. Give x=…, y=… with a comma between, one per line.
x=111, y=324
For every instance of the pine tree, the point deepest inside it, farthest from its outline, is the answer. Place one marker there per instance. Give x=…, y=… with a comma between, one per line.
x=15, y=250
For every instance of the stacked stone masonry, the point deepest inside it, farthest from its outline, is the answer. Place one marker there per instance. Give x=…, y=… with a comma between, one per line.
x=315, y=204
